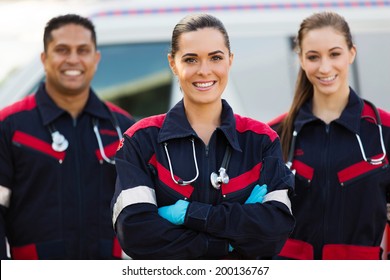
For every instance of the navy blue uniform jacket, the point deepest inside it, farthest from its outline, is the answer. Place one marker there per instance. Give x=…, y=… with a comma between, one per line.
x=340, y=201
x=215, y=218
x=56, y=205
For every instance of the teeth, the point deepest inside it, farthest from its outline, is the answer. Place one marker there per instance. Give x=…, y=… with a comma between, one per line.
x=328, y=78
x=72, y=72
x=204, y=85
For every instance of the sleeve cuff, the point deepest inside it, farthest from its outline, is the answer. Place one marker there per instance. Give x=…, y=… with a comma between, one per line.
x=217, y=248
x=196, y=216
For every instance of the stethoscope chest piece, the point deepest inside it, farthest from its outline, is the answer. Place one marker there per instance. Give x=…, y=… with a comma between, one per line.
x=218, y=180
x=60, y=143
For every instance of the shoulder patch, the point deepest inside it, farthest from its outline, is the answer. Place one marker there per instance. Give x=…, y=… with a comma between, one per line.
x=26, y=104
x=153, y=121
x=247, y=124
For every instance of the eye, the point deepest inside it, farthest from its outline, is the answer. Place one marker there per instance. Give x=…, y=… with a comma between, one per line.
x=312, y=57
x=335, y=54
x=190, y=60
x=216, y=58
x=83, y=51
x=61, y=50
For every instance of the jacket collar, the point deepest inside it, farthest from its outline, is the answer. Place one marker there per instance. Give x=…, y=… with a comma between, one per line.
x=176, y=125
x=49, y=111
x=349, y=118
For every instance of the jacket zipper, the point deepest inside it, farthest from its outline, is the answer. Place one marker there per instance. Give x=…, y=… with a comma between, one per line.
x=327, y=185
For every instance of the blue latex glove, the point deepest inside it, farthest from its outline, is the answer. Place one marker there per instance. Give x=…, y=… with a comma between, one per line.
x=257, y=194
x=230, y=248
x=174, y=213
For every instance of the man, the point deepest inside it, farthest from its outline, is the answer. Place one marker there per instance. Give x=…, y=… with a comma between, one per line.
x=56, y=147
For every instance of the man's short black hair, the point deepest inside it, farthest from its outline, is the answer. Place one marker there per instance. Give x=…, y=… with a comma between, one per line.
x=62, y=20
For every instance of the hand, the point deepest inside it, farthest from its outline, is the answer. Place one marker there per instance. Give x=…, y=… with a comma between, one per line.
x=230, y=248
x=257, y=194
x=174, y=213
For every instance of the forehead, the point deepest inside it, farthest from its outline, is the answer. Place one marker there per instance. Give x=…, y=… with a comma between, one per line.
x=71, y=34
x=202, y=40
x=323, y=38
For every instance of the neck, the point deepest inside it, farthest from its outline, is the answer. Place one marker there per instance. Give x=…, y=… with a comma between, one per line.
x=329, y=108
x=73, y=104
x=204, y=119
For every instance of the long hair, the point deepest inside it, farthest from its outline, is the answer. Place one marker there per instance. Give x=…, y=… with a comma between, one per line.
x=303, y=87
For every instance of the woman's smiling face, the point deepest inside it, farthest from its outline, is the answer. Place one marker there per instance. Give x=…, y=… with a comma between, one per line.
x=202, y=65
x=325, y=58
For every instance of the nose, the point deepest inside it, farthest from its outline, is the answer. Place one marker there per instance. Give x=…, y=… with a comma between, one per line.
x=73, y=57
x=204, y=68
x=326, y=65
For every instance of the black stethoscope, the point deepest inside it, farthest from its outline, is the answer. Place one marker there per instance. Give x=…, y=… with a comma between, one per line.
x=372, y=161
x=216, y=179
x=60, y=143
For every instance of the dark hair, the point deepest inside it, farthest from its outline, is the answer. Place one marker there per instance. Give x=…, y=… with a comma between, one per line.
x=303, y=87
x=194, y=22
x=62, y=20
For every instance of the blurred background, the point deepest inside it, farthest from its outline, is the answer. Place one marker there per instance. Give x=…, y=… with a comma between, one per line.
x=134, y=35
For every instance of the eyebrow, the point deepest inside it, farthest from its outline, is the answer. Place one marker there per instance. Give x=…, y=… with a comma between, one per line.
x=332, y=49
x=209, y=54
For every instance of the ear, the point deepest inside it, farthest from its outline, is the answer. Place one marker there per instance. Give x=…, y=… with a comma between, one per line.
x=172, y=64
x=231, y=58
x=43, y=59
x=98, y=56
x=352, y=52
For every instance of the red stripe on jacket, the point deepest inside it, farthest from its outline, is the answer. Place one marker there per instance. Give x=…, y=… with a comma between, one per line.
x=26, y=104
x=109, y=150
x=247, y=124
x=165, y=176
x=242, y=181
x=36, y=144
x=358, y=169
x=155, y=121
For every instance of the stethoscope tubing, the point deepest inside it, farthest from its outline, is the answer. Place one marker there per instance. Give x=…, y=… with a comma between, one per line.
x=372, y=161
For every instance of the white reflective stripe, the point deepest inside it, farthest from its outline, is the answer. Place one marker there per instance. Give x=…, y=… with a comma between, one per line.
x=141, y=194
x=5, y=196
x=279, y=195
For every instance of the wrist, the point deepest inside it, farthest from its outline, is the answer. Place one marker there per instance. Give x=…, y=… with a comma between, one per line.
x=196, y=216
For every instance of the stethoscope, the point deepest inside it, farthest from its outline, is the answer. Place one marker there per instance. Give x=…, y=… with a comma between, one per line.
x=60, y=143
x=372, y=161
x=216, y=179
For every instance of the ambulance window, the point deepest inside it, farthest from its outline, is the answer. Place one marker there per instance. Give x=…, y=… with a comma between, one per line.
x=142, y=81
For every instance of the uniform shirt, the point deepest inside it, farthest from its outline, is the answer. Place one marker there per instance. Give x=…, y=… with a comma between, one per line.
x=56, y=205
x=214, y=217
x=340, y=201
